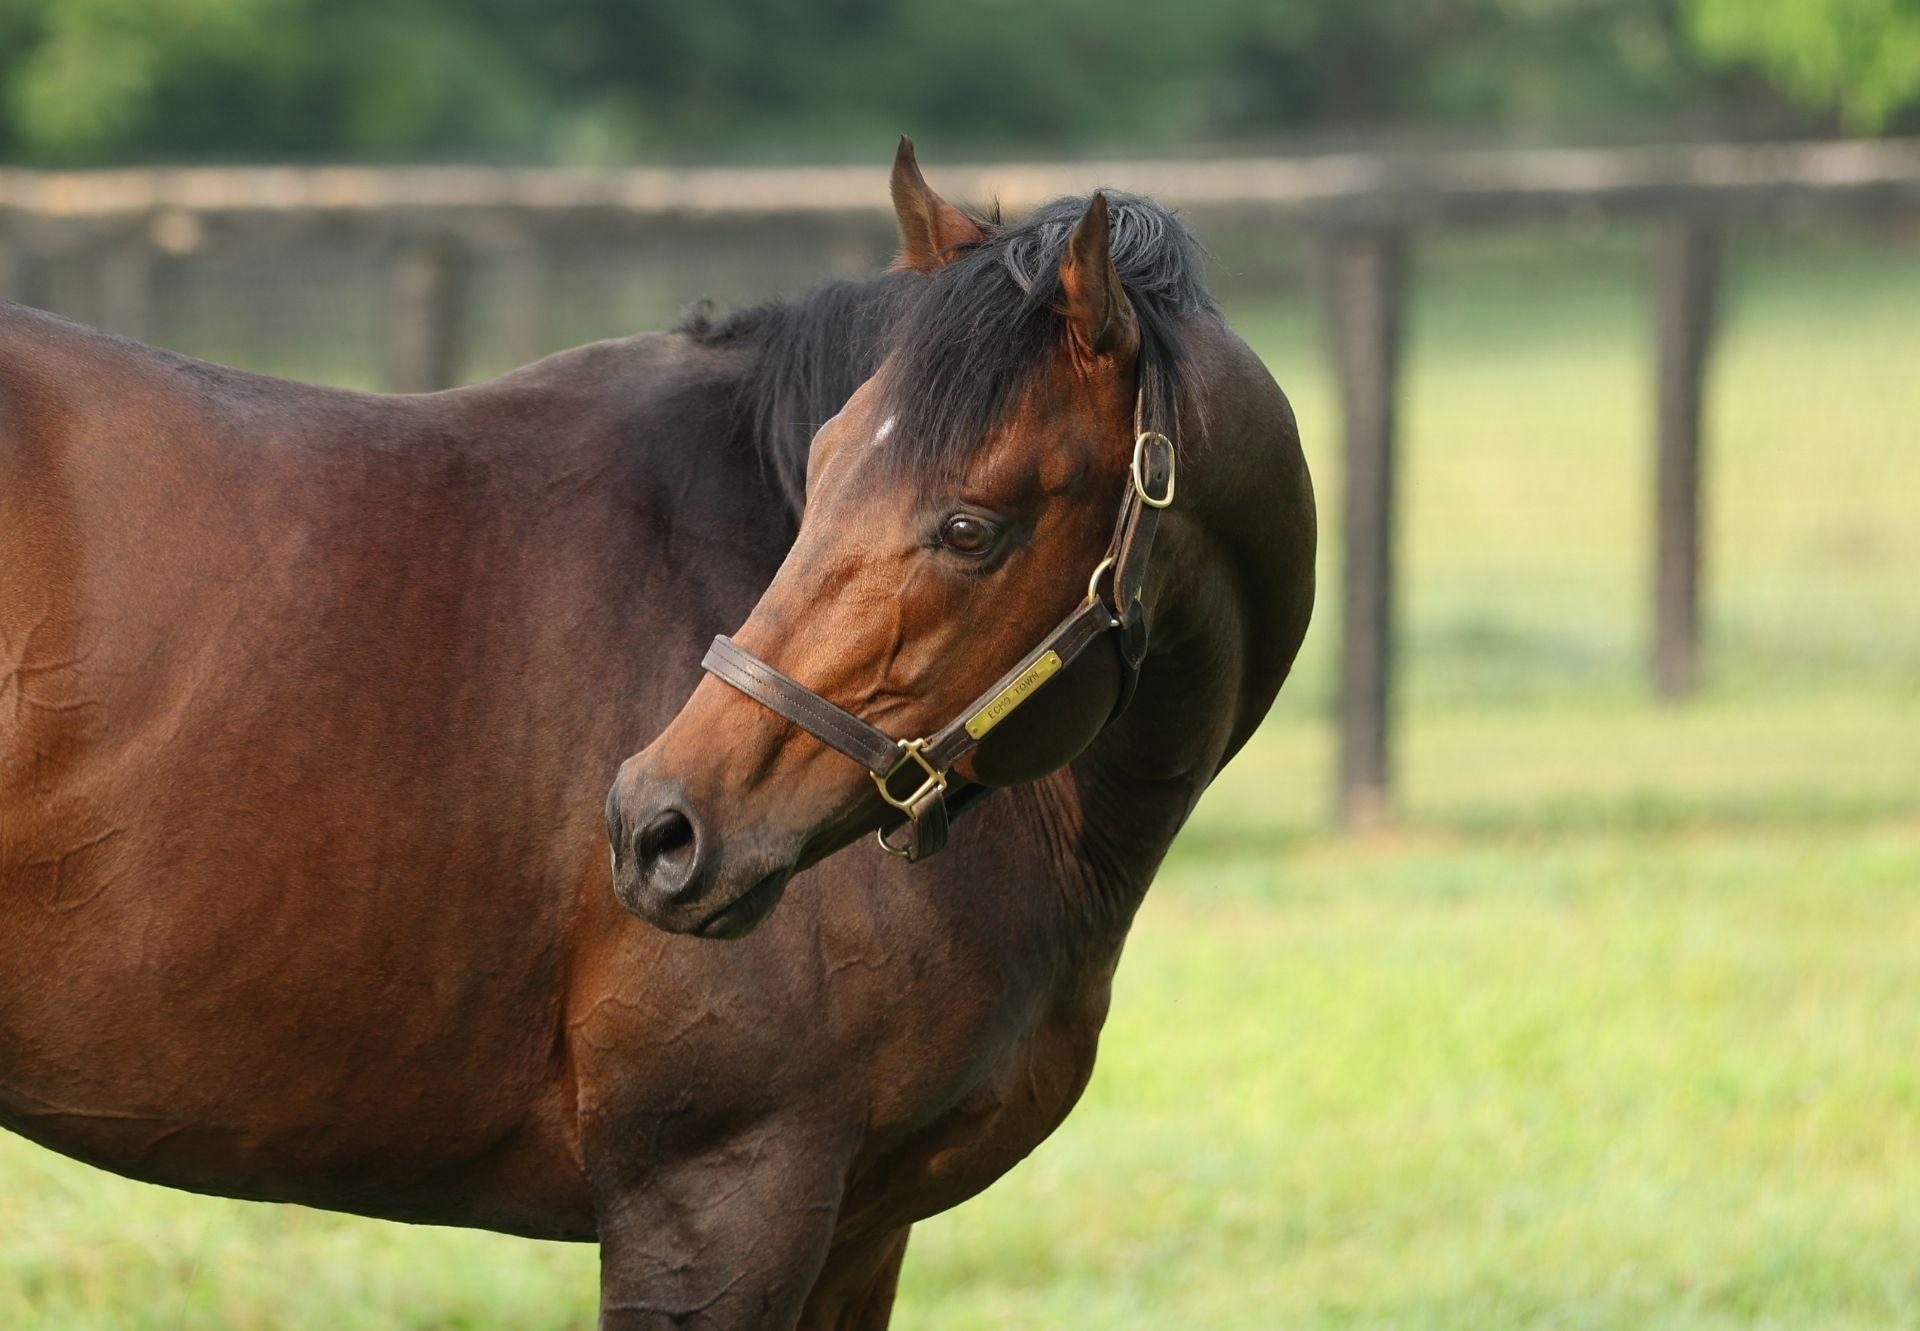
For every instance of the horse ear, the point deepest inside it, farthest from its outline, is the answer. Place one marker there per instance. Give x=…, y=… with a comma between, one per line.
x=1099, y=315
x=931, y=229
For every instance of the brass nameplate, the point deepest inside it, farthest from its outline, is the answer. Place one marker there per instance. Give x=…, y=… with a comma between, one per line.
x=1013, y=695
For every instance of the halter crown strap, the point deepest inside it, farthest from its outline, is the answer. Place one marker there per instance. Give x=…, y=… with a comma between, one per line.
x=911, y=774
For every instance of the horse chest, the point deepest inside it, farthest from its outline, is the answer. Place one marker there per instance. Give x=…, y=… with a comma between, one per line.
x=1012, y=1101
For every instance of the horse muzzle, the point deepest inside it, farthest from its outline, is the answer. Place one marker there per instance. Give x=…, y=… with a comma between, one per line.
x=671, y=869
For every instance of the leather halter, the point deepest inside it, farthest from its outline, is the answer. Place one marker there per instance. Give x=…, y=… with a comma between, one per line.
x=929, y=760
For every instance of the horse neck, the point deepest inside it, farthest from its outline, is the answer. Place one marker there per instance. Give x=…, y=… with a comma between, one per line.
x=1229, y=595
x=1109, y=817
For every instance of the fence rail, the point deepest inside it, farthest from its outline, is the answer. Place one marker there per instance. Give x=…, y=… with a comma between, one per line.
x=1367, y=210
x=1453, y=188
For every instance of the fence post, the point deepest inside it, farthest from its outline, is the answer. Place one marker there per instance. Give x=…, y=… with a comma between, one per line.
x=522, y=267
x=426, y=316
x=1365, y=288
x=126, y=285
x=16, y=271
x=1686, y=270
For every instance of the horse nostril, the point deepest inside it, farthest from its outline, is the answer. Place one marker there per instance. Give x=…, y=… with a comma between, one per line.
x=664, y=848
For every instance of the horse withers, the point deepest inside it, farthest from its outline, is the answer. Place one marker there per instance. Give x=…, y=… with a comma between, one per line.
x=309, y=701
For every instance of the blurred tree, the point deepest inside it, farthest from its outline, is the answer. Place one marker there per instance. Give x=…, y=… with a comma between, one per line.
x=587, y=80
x=1536, y=64
x=1859, y=59
x=88, y=79
x=84, y=73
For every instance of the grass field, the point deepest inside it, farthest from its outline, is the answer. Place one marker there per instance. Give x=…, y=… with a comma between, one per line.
x=1620, y=1027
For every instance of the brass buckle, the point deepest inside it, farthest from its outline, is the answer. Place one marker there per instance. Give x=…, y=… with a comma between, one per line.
x=1139, y=475
x=911, y=750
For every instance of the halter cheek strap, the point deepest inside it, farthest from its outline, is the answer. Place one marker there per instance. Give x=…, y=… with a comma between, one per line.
x=912, y=774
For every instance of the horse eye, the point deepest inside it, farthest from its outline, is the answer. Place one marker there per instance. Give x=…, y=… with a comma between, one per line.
x=965, y=534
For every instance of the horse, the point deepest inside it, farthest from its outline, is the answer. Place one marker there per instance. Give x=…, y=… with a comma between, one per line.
x=320, y=712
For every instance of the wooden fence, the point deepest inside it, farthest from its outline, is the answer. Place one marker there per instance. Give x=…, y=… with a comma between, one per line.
x=1366, y=210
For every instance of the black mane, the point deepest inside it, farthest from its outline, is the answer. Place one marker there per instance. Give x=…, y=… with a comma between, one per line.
x=967, y=340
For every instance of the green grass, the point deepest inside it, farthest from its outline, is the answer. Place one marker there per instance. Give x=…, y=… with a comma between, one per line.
x=1592, y=1084
x=1618, y=1027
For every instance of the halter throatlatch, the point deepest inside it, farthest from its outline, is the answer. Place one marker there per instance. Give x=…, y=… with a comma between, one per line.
x=912, y=774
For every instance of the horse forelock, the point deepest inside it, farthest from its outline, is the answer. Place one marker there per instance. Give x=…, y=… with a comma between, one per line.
x=962, y=344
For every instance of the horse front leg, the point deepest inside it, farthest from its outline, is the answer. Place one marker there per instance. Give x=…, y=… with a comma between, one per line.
x=855, y=1290
x=731, y=1240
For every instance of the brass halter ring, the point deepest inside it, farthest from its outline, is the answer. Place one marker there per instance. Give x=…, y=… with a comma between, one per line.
x=1093, y=583
x=911, y=750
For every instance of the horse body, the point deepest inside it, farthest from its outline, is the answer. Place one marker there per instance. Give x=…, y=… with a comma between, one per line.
x=308, y=703
x=284, y=749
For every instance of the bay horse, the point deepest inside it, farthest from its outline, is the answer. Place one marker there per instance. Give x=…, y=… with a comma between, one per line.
x=310, y=700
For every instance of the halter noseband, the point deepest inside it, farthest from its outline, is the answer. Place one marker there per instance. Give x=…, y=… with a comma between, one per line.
x=930, y=759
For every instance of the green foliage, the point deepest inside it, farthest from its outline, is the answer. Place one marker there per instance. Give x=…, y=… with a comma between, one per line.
x=1858, y=58
x=584, y=80
x=83, y=74
x=91, y=79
